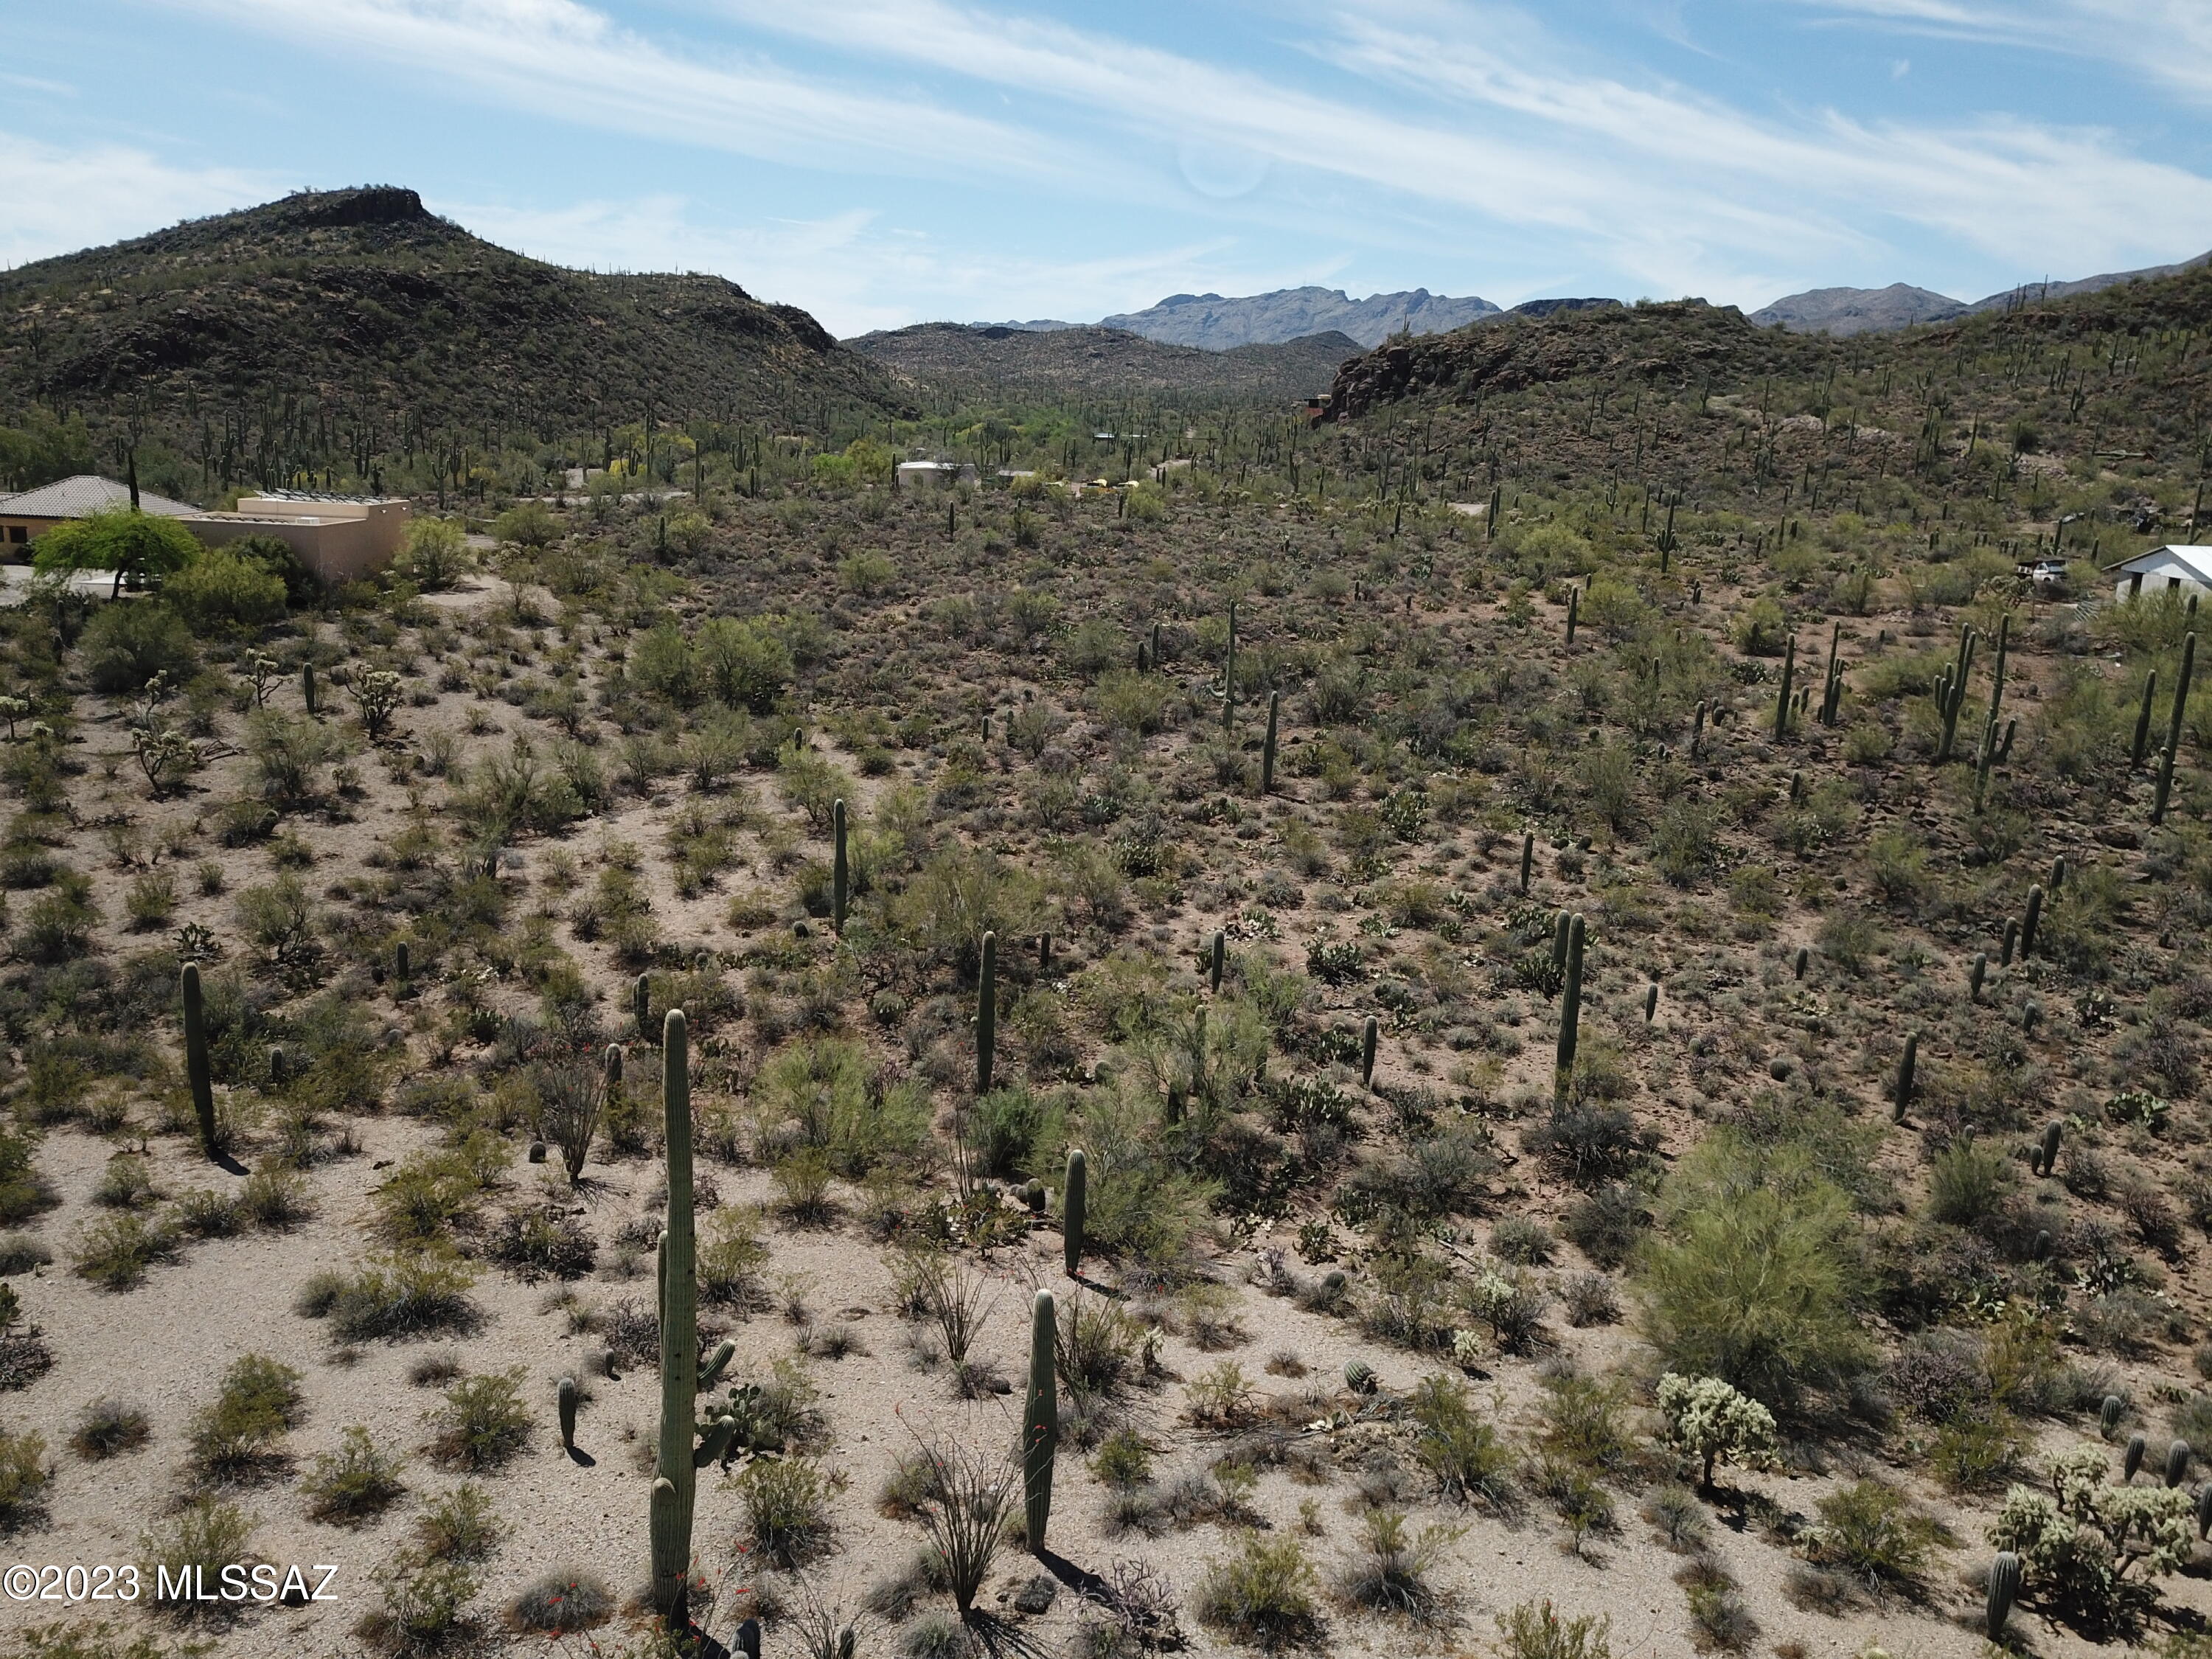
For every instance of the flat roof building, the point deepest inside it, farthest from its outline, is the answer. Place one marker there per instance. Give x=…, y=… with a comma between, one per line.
x=340, y=539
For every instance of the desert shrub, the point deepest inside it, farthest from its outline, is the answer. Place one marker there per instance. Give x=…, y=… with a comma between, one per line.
x=560, y=1603
x=1390, y=1572
x=1606, y=1224
x=24, y=1475
x=1753, y=1279
x=1581, y=1421
x=425, y=1609
x=353, y=1484
x=108, y=1428
x=2080, y=1538
x=1967, y=1183
x=416, y=1293
x=126, y=645
x=458, y=1525
x=1098, y=1343
x=1868, y=1533
x=1262, y=1594
x=24, y=1193
x=1679, y=1518
x=1590, y=1299
x=543, y=1242
x=22, y=1252
x=732, y=1259
x=237, y=1437
x=786, y=1509
x=221, y=592
x=1463, y=1453
x=482, y=1424
x=1534, y=1631
x=198, y=1541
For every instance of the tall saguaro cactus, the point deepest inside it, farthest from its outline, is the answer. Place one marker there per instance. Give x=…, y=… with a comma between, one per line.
x=1075, y=1209
x=1228, y=677
x=675, y=1483
x=840, y=869
x=1040, y=1421
x=196, y=1057
x=2181, y=692
x=1571, y=1004
x=986, y=1012
x=2142, y=744
x=1267, y=748
x=1782, y=698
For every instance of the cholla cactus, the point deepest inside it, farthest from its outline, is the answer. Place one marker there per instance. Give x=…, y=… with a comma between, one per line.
x=2078, y=1540
x=377, y=692
x=1712, y=1419
x=1466, y=1348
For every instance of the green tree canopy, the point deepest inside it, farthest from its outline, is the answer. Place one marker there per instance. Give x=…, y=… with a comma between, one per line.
x=122, y=539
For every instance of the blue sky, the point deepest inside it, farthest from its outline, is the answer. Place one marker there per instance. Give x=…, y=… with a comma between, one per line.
x=885, y=161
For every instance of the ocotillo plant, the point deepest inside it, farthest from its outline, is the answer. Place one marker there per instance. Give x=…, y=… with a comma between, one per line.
x=1267, y=748
x=2028, y=923
x=1217, y=954
x=1527, y=858
x=840, y=869
x=2004, y=1585
x=1570, y=1007
x=682, y=1452
x=1907, y=1063
x=1368, y=1032
x=1040, y=1421
x=2140, y=746
x=986, y=1012
x=1074, y=1208
x=1782, y=698
x=197, y=1074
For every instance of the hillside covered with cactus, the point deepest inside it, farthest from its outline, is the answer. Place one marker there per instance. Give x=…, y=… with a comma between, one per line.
x=1555, y=1016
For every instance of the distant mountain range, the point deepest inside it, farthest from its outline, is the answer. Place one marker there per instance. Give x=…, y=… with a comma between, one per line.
x=1214, y=323
x=1842, y=311
x=1066, y=361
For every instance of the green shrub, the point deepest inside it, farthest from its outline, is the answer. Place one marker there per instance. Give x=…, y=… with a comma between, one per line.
x=115, y=1251
x=1534, y=1631
x=107, y=1428
x=1463, y=1453
x=416, y=1294
x=1869, y=1533
x=220, y=592
x=425, y=1609
x=786, y=1509
x=1967, y=1183
x=1754, y=1277
x=482, y=1424
x=238, y=1436
x=24, y=1475
x=458, y=1525
x=24, y=1193
x=201, y=1539
x=130, y=641
x=354, y=1485
x=1262, y=1594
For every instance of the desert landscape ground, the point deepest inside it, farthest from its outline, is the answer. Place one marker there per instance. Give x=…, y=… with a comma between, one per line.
x=1628, y=994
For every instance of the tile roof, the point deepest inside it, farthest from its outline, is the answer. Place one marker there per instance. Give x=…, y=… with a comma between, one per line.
x=86, y=493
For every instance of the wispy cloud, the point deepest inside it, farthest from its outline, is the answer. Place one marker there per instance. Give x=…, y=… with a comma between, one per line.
x=60, y=199
x=567, y=62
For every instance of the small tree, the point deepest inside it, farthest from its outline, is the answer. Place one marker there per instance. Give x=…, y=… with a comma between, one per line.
x=124, y=540
x=435, y=552
x=570, y=1094
x=1707, y=1418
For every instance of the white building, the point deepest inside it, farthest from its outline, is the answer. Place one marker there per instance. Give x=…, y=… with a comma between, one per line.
x=2186, y=569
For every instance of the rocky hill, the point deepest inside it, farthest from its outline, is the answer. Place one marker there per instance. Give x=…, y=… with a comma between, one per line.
x=314, y=332
x=1847, y=311
x=1291, y=313
x=1102, y=362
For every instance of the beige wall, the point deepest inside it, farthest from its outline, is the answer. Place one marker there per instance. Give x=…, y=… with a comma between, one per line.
x=340, y=541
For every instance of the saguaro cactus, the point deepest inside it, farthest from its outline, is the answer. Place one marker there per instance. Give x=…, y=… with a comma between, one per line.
x=840, y=869
x=675, y=1483
x=2004, y=1585
x=402, y=961
x=2164, y=789
x=2047, y=1153
x=640, y=1004
x=2131, y=1459
x=1527, y=858
x=1368, y=1032
x=1650, y=1003
x=1267, y=748
x=2109, y=1414
x=2140, y=746
x=566, y=1398
x=986, y=1012
x=196, y=1057
x=1229, y=676
x=1040, y=1421
x=1217, y=957
x=1570, y=1005
x=2177, y=1455
x=2181, y=691
x=1074, y=1206
x=1901, y=1098
x=1782, y=697
x=1698, y=732
x=307, y=685
x=1574, y=611
x=2011, y=942
x=1800, y=962
x=1976, y=975
x=2028, y=923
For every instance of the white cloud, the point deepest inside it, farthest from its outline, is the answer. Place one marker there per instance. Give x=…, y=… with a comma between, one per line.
x=565, y=60
x=58, y=200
